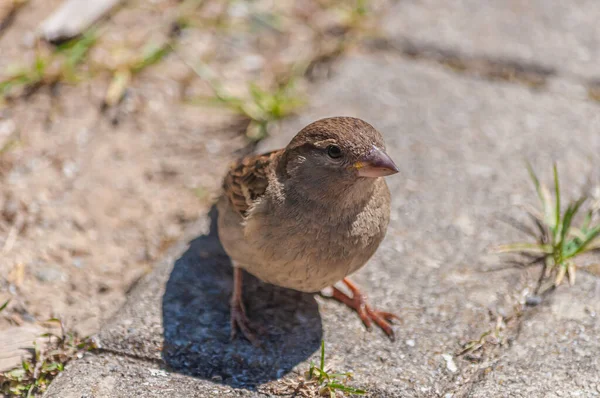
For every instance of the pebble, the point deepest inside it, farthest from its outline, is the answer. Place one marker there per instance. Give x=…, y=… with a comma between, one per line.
x=78, y=262
x=533, y=300
x=450, y=365
x=157, y=372
x=253, y=62
x=70, y=169
x=49, y=274
x=7, y=128
x=410, y=343
x=465, y=225
x=213, y=146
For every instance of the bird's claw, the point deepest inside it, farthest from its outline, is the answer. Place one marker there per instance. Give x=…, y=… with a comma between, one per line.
x=367, y=314
x=240, y=321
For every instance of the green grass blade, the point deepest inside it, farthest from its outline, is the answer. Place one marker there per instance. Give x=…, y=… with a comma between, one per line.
x=39, y=67
x=322, y=366
x=151, y=56
x=592, y=235
x=587, y=221
x=350, y=390
x=3, y=307
x=340, y=375
x=568, y=218
x=557, y=193
x=537, y=184
x=26, y=366
x=30, y=390
x=533, y=248
x=544, y=197
x=577, y=233
x=80, y=48
x=258, y=95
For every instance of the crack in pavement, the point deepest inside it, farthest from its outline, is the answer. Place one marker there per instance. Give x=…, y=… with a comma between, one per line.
x=123, y=354
x=531, y=75
x=492, y=353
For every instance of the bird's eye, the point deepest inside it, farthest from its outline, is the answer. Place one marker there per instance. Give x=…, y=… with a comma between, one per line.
x=334, y=151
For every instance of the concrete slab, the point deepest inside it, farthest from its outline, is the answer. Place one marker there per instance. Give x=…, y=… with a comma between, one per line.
x=460, y=144
x=557, y=350
x=107, y=375
x=563, y=37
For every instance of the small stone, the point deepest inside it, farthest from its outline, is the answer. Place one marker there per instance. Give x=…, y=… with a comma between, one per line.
x=157, y=372
x=465, y=225
x=78, y=262
x=450, y=365
x=399, y=246
x=253, y=62
x=590, y=312
x=29, y=39
x=410, y=343
x=70, y=169
x=238, y=10
x=533, y=300
x=213, y=146
x=103, y=288
x=49, y=274
x=7, y=128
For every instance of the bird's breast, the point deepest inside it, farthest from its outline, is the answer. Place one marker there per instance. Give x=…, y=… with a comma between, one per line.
x=311, y=250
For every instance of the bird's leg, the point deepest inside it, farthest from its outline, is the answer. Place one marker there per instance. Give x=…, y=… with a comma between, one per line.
x=358, y=302
x=239, y=319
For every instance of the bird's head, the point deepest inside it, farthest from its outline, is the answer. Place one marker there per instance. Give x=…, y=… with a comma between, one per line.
x=335, y=154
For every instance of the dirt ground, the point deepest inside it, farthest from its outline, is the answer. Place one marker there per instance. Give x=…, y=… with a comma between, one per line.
x=91, y=195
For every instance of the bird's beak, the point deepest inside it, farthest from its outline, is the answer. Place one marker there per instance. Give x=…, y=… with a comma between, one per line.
x=376, y=164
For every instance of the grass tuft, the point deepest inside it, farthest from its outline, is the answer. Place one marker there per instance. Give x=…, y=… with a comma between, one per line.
x=35, y=373
x=262, y=108
x=330, y=383
x=319, y=381
x=557, y=241
x=59, y=65
x=123, y=75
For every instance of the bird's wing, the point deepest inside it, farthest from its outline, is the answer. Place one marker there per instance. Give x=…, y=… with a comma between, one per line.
x=247, y=180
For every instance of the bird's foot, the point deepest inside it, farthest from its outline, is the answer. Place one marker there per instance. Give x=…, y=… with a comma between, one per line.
x=358, y=302
x=240, y=321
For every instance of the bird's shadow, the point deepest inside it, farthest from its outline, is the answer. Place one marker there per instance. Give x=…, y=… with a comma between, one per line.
x=195, y=310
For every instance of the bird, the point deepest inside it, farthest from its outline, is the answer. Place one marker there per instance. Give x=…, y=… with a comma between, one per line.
x=307, y=216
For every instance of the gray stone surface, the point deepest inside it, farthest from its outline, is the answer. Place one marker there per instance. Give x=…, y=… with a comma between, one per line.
x=557, y=353
x=460, y=144
x=561, y=36
x=107, y=375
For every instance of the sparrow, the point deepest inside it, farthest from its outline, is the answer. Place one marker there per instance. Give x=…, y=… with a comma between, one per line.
x=307, y=216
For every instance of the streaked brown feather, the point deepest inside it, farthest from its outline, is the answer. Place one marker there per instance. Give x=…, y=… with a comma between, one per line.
x=247, y=179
